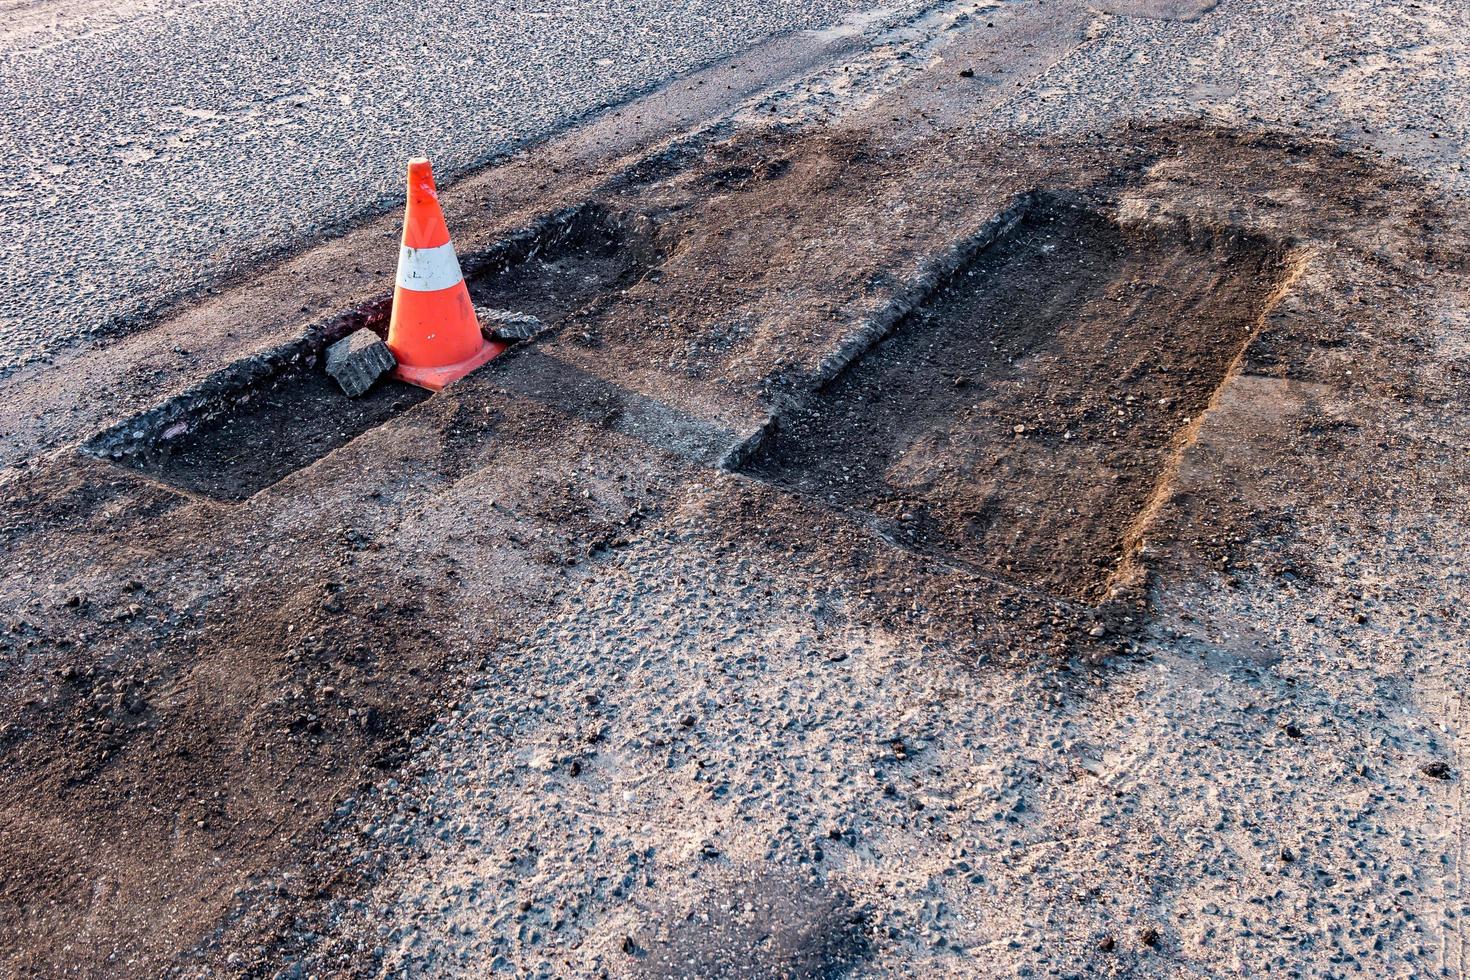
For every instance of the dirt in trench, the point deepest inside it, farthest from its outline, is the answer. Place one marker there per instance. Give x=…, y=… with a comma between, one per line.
x=281, y=430
x=1018, y=422
x=254, y=432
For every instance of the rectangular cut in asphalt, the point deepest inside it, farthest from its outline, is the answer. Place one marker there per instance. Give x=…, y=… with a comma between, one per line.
x=1019, y=421
x=358, y=360
x=264, y=418
x=281, y=429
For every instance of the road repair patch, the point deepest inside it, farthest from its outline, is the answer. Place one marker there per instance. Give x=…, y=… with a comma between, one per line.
x=268, y=416
x=534, y=653
x=1018, y=422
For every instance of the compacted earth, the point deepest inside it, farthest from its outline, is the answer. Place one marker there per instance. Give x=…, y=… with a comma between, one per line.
x=958, y=520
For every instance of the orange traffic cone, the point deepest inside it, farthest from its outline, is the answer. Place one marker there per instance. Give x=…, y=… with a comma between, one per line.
x=433, y=332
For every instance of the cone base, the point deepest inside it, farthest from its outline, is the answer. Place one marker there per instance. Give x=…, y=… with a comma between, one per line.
x=436, y=378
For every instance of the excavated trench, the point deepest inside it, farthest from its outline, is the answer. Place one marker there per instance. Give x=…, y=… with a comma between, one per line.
x=1016, y=423
x=267, y=416
x=1020, y=419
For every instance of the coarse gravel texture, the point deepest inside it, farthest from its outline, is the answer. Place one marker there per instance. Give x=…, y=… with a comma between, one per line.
x=661, y=735
x=1391, y=78
x=1380, y=74
x=1196, y=808
x=149, y=155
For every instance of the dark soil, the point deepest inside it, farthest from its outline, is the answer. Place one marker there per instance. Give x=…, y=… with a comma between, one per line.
x=578, y=271
x=792, y=929
x=251, y=434
x=279, y=431
x=1018, y=423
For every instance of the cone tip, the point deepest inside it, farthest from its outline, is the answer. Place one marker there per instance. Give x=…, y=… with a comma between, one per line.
x=419, y=167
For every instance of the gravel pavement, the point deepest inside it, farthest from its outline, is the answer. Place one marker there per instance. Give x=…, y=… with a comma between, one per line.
x=152, y=149
x=611, y=775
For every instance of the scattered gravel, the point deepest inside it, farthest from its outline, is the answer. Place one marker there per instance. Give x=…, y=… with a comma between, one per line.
x=664, y=733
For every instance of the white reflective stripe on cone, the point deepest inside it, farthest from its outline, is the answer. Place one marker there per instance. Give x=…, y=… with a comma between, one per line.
x=428, y=269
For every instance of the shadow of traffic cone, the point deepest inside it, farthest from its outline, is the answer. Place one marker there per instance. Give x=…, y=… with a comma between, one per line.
x=433, y=333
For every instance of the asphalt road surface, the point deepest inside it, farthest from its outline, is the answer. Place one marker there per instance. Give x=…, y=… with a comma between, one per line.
x=152, y=147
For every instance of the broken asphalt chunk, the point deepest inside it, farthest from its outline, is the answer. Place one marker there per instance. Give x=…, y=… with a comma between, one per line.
x=508, y=324
x=358, y=360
